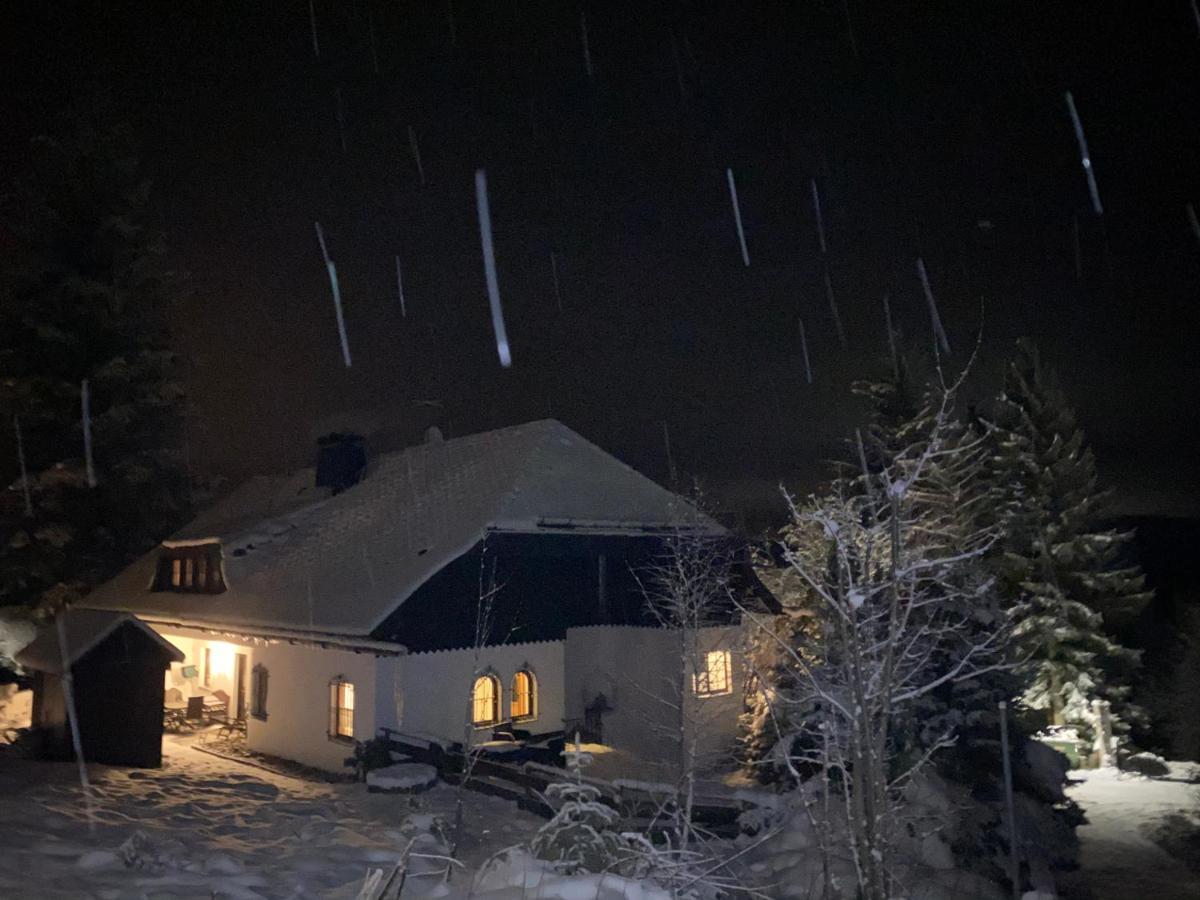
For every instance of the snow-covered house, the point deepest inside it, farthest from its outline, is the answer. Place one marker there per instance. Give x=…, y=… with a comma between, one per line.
x=324, y=605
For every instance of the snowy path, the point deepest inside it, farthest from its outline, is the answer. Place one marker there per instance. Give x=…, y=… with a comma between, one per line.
x=1119, y=860
x=213, y=828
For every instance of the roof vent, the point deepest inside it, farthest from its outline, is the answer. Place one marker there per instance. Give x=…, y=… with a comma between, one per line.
x=341, y=461
x=433, y=435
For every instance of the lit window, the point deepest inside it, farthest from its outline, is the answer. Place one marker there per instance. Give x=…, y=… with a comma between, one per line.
x=341, y=709
x=207, y=666
x=258, y=691
x=523, y=702
x=176, y=572
x=714, y=676
x=485, y=700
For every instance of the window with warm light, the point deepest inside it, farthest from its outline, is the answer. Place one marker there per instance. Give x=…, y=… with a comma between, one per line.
x=523, y=696
x=715, y=674
x=341, y=709
x=485, y=701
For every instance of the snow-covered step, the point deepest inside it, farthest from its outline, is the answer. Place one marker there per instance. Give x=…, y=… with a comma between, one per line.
x=402, y=778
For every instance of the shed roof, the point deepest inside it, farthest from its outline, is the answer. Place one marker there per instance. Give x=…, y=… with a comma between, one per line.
x=297, y=557
x=84, y=630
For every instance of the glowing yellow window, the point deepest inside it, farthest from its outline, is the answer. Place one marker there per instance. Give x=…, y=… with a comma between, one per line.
x=485, y=700
x=523, y=697
x=341, y=709
x=715, y=675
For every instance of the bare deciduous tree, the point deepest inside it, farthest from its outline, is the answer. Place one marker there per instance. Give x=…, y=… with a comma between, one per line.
x=903, y=613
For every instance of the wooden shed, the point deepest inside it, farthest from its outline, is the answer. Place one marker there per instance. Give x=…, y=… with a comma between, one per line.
x=116, y=664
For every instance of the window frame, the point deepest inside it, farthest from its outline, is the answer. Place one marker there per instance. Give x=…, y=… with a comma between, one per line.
x=497, y=700
x=530, y=695
x=189, y=569
x=702, y=678
x=340, y=690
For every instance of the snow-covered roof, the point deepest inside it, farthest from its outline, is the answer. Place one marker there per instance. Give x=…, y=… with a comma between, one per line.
x=83, y=630
x=296, y=557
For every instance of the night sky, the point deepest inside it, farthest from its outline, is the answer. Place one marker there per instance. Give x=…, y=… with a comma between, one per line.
x=946, y=136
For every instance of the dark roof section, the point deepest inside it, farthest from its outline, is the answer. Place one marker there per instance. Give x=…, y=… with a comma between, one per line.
x=297, y=557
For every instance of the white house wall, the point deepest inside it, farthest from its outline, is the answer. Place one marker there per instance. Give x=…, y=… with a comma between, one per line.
x=437, y=687
x=638, y=671
x=297, y=711
x=296, y=725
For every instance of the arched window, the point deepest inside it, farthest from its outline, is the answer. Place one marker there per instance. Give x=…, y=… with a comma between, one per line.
x=485, y=700
x=523, y=697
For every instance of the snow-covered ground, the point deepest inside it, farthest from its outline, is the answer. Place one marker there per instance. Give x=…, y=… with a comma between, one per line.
x=214, y=828
x=1119, y=860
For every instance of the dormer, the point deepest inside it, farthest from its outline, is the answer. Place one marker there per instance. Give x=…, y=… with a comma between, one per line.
x=190, y=568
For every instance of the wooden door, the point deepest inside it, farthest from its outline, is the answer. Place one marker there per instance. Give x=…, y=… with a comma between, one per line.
x=239, y=687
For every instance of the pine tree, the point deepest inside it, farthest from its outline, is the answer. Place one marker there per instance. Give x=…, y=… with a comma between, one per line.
x=583, y=835
x=1059, y=566
x=909, y=417
x=949, y=502
x=85, y=295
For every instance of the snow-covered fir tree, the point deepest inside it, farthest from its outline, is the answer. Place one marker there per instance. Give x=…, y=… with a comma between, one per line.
x=1062, y=570
x=583, y=835
x=904, y=610
x=85, y=295
x=907, y=416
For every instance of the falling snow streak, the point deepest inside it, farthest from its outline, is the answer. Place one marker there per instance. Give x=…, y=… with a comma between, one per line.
x=1084, y=158
x=450, y=22
x=341, y=118
x=337, y=308
x=833, y=309
x=321, y=241
x=804, y=350
x=312, y=21
x=678, y=67
x=371, y=33
x=400, y=288
x=68, y=687
x=934, y=318
x=85, y=403
x=816, y=198
x=891, y=333
x=554, y=275
x=850, y=28
x=1196, y=16
x=21, y=463
x=737, y=216
x=587, y=47
x=670, y=459
x=489, y=267
x=1193, y=221
x=416, y=152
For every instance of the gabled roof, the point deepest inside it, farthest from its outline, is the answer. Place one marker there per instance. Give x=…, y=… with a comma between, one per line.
x=297, y=558
x=84, y=629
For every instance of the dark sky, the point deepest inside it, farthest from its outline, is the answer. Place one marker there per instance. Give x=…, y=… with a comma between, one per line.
x=946, y=137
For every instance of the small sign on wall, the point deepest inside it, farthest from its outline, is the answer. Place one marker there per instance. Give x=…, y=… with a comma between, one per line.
x=189, y=672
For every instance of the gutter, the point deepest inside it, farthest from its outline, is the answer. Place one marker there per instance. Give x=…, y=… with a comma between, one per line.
x=291, y=636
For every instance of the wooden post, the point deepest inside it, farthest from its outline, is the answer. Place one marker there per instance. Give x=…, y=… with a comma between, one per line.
x=602, y=586
x=1104, y=737
x=1014, y=867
